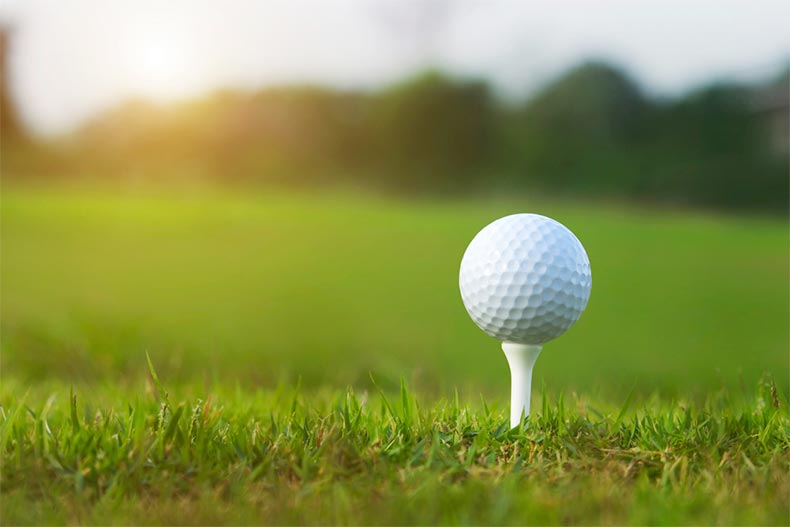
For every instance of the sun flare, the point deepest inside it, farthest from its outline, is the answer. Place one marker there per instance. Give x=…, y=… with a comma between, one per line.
x=162, y=64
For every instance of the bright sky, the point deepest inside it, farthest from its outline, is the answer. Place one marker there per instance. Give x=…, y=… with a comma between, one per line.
x=71, y=59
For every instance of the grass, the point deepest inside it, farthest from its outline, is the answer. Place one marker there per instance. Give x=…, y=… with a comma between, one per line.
x=665, y=404
x=338, y=457
x=269, y=288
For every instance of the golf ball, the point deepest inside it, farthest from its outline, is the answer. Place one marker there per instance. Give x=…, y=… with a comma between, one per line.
x=525, y=278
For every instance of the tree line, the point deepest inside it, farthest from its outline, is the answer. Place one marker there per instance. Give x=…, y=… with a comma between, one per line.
x=591, y=131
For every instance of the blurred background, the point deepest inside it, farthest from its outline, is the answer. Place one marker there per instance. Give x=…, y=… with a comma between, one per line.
x=261, y=192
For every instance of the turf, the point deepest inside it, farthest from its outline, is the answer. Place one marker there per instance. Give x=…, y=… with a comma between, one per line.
x=665, y=404
x=265, y=288
x=286, y=457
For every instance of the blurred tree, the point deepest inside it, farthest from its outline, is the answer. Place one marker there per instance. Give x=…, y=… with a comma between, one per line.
x=591, y=132
x=575, y=134
x=433, y=131
x=21, y=153
x=12, y=131
x=709, y=148
x=11, y=128
x=771, y=108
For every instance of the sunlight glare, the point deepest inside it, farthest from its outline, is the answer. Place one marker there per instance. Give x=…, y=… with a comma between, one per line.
x=162, y=64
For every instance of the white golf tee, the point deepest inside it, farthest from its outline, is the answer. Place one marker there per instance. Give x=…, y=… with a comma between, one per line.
x=521, y=359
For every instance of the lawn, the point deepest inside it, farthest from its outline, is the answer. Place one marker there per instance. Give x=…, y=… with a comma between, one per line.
x=340, y=457
x=267, y=313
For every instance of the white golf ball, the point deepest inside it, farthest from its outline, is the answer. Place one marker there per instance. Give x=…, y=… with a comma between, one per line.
x=525, y=279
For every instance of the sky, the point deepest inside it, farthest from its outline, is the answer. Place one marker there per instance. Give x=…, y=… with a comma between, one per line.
x=71, y=60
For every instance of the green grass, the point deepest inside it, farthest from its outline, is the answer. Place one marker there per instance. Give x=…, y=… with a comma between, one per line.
x=337, y=457
x=266, y=288
x=258, y=310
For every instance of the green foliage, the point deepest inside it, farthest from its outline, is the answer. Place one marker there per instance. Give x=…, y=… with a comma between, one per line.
x=432, y=132
x=721, y=154
x=283, y=456
x=590, y=132
x=594, y=131
x=578, y=132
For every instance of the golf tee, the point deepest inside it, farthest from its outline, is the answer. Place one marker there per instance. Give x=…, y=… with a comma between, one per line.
x=521, y=359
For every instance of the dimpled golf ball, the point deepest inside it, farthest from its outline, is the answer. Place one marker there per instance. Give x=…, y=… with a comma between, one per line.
x=525, y=279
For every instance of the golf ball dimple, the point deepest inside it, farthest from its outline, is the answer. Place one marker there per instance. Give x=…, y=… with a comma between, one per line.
x=525, y=278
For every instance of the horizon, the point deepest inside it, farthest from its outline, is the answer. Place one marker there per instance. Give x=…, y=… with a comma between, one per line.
x=498, y=94
x=156, y=54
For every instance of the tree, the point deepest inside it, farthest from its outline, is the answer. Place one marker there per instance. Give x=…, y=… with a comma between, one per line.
x=11, y=127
